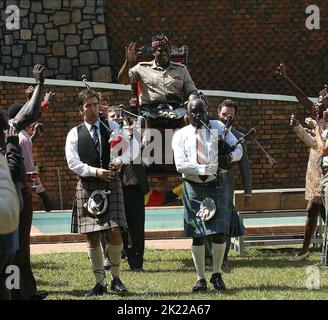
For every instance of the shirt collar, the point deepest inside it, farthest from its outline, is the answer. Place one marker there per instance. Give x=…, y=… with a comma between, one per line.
x=88, y=125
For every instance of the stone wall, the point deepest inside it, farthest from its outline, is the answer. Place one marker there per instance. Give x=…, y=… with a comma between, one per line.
x=67, y=36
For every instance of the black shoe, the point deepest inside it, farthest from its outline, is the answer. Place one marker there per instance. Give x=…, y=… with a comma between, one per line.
x=217, y=281
x=200, y=286
x=118, y=287
x=98, y=290
x=40, y=295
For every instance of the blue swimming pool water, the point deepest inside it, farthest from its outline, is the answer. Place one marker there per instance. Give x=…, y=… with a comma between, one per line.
x=156, y=219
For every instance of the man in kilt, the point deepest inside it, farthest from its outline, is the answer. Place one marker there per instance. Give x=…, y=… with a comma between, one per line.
x=196, y=156
x=88, y=155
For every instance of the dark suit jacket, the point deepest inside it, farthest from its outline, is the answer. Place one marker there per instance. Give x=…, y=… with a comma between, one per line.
x=141, y=176
x=245, y=172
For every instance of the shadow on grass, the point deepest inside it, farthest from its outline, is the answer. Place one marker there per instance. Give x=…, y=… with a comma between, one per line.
x=41, y=265
x=110, y=294
x=268, y=263
x=42, y=282
x=287, y=251
x=273, y=288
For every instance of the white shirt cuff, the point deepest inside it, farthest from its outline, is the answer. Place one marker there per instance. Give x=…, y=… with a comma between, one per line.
x=93, y=172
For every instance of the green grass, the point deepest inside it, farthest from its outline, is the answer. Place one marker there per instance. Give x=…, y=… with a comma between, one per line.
x=260, y=274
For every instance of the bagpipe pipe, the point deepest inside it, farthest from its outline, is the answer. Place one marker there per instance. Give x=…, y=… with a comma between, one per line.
x=270, y=159
x=224, y=148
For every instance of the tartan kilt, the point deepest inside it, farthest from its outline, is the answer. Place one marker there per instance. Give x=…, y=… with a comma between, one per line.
x=84, y=222
x=225, y=220
x=237, y=229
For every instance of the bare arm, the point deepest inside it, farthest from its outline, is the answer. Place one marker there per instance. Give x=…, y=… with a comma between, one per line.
x=30, y=111
x=296, y=91
x=130, y=60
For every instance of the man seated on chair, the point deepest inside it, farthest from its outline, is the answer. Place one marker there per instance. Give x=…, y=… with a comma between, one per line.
x=161, y=81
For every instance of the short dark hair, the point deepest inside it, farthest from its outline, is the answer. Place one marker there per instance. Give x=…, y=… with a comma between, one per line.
x=14, y=109
x=228, y=103
x=85, y=94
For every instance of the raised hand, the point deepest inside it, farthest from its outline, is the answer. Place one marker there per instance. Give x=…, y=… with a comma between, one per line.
x=38, y=129
x=49, y=96
x=130, y=53
x=281, y=71
x=293, y=121
x=38, y=73
x=28, y=92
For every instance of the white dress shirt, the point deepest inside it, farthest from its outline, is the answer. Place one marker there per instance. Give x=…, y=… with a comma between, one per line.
x=185, y=151
x=71, y=150
x=72, y=156
x=25, y=142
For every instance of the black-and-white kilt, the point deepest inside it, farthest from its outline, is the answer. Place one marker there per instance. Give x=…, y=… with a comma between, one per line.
x=84, y=222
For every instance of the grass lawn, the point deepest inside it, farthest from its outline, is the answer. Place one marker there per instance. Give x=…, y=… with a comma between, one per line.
x=261, y=273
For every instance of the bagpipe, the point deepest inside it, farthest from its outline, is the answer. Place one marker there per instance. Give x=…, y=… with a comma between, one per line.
x=225, y=148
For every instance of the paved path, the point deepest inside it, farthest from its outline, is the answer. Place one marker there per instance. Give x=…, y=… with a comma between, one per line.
x=81, y=246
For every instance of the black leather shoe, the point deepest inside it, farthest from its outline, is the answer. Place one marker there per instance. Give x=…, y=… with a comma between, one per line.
x=200, y=286
x=217, y=281
x=98, y=290
x=40, y=295
x=118, y=287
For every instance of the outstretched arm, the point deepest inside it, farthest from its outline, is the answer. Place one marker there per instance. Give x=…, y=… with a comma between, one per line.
x=296, y=91
x=30, y=112
x=130, y=60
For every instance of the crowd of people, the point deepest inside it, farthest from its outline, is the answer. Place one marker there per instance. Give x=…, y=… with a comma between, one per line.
x=109, y=204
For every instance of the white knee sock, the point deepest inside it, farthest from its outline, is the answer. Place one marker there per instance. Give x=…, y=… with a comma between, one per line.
x=198, y=255
x=114, y=255
x=96, y=258
x=218, y=255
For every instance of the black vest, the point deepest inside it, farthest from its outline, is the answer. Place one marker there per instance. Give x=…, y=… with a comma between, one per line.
x=87, y=149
